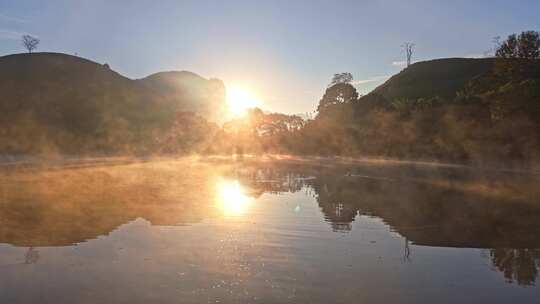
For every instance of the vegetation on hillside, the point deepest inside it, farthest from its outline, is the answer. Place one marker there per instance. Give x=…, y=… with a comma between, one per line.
x=451, y=109
x=60, y=104
x=456, y=109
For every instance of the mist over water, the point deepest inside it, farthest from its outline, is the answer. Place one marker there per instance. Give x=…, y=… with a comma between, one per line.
x=269, y=152
x=268, y=231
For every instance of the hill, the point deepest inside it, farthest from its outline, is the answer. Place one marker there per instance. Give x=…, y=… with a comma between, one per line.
x=456, y=109
x=190, y=92
x=440, y=77
x=458, y=80
x=52, y=102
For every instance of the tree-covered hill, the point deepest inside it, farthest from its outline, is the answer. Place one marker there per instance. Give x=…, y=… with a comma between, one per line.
x=448, y=109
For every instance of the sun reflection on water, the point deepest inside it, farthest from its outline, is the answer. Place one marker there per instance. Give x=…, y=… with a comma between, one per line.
x=231, y=198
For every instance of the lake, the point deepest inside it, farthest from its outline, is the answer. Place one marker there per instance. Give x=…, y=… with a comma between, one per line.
x=269, y=231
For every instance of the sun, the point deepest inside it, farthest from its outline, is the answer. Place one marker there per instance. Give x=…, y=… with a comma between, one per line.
x=240, y=99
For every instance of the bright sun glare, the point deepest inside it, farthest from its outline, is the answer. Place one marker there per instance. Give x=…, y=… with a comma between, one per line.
x=240, y=99
x=231, y=198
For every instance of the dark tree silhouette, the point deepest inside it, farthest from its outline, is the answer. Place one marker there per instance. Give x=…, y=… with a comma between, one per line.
x=525, y=45
x=529, y=45
x=341, y=78
x=408, y=47
x=338, y=94
x=258, y=123
x=30, y=43
x=508, y=48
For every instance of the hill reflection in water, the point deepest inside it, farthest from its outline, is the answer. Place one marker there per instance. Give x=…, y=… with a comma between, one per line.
x=427, y=206
x=443, y=207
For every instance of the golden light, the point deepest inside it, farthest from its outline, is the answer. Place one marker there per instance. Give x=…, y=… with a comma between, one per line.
x=240, y=99
x=231, y=198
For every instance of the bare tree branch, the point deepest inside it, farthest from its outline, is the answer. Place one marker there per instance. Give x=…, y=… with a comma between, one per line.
x=30, y=43
x=408, y=46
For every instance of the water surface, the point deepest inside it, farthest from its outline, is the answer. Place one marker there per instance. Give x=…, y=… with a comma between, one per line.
x=268, y=232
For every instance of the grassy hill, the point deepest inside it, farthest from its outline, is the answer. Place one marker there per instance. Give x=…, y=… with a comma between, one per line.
x=440, y=77
x=455, y=80
x=453, y=109
x=51, y=102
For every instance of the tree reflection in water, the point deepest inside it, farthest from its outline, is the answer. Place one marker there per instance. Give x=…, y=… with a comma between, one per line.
x=31, y=256
x=445, y=208
x=440, y=207
x=517, y=265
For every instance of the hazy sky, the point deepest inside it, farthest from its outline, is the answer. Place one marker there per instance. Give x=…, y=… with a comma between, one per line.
x=285, y=51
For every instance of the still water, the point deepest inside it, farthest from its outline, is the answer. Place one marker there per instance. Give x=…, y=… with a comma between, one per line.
x=208, y=231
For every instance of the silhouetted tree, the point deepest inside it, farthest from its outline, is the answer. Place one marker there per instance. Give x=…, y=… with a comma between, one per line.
x=338, y=94
x=508, y=48
x=30, y=43
x=525, y=45
x=408, y=47
x=258, y=123
x=341, y=78
x=529, y=45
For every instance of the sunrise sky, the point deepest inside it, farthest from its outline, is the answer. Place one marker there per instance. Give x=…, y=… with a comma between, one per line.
x=284, y=51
